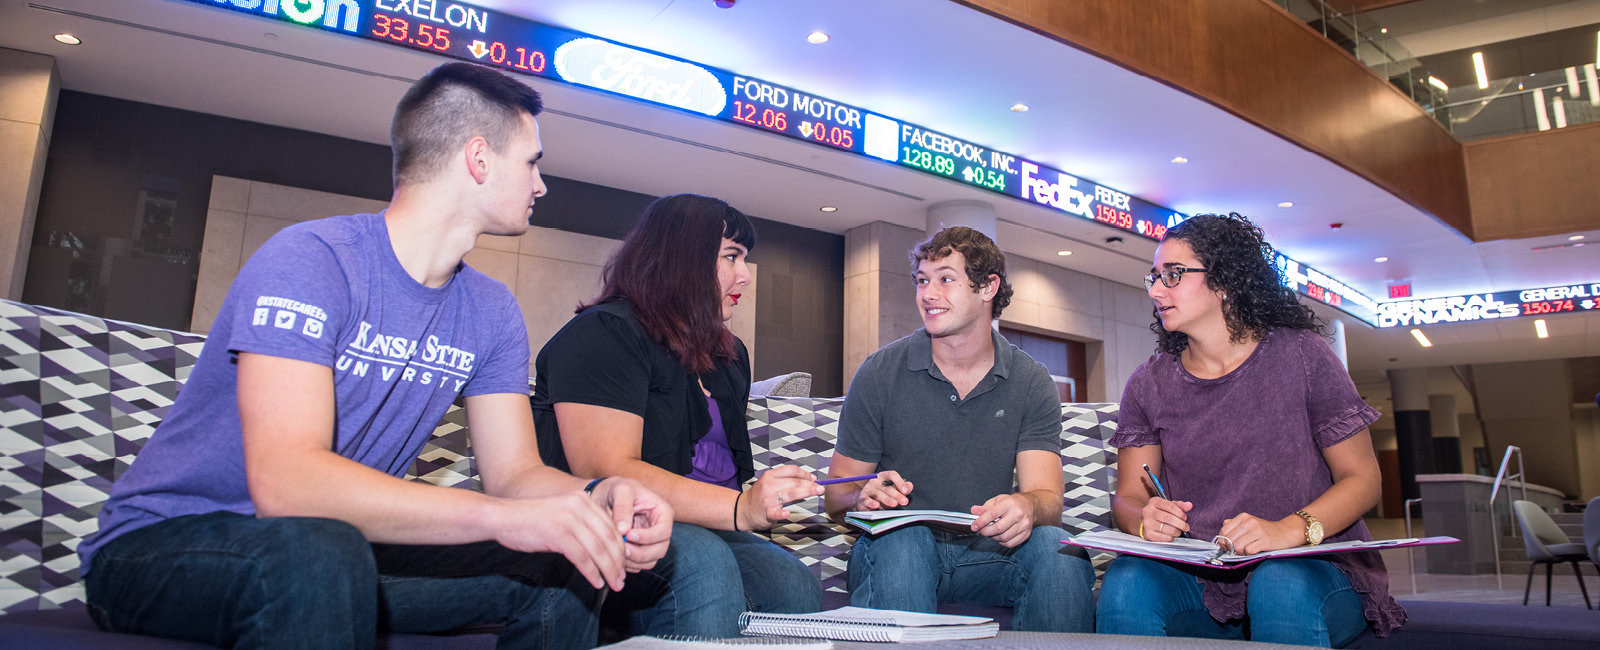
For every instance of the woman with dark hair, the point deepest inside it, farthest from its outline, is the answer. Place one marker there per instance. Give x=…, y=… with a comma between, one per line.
x=1258, y=436
x=648, y=383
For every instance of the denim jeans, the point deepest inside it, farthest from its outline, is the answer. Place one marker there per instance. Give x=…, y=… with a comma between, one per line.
x=708, y=578
x=292, y=582
x=916, y=567
x=1301, y=601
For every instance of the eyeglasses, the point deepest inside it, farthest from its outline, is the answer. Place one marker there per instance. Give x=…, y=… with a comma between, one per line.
x=1170, y=277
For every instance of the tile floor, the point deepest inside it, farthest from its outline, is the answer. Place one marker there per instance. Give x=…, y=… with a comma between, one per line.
x=1405, y=584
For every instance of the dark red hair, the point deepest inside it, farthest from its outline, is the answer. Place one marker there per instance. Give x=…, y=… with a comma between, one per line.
x=667, y=271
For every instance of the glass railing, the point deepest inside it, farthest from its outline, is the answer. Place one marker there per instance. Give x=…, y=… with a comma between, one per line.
x=1537, y=102
x=1371, y=44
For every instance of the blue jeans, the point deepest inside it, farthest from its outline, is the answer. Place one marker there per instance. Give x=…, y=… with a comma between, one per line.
x=709, y=577
x=292, y=582
x=915, y=568
x=1301, y=601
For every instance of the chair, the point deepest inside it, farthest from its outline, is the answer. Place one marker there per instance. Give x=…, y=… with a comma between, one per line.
x=1547, y=545
x=1591, y=530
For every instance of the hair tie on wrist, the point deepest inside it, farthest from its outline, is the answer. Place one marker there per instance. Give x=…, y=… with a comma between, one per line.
x=1141, y=531
x=736, y=511
x=589, y=489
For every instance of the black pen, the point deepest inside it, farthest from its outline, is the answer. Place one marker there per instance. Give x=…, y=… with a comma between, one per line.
x=1160, y=491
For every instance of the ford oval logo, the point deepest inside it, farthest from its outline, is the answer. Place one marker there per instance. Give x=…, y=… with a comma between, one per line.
x=608, y=66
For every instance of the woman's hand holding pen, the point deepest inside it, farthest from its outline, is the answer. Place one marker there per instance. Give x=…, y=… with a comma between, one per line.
x=1163, y=520
x=888, y=490
x=1252, y=534
x=762, y=506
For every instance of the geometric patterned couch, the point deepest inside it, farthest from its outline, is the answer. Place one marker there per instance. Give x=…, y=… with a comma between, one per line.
x=803, y=431
x=79, y=396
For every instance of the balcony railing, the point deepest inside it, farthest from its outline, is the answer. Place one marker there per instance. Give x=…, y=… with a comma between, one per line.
x=1538, y=102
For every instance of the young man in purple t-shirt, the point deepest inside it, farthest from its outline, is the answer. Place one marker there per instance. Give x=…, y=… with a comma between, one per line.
x=269, y=509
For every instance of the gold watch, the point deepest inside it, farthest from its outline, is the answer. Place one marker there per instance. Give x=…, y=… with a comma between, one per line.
x=1313, y=528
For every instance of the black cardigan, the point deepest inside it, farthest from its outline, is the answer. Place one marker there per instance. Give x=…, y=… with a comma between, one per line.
x=604, y=357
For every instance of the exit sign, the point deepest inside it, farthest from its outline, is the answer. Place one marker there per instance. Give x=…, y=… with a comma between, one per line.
x=1400, y=290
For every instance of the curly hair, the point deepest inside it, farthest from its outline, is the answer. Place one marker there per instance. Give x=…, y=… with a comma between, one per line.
x=1239, y=264
x=983, y=260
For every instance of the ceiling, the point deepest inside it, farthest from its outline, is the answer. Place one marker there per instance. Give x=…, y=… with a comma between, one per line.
x=897, y=57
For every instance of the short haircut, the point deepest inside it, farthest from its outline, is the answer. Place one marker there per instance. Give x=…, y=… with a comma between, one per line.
x=452, y=104
x=983, y=260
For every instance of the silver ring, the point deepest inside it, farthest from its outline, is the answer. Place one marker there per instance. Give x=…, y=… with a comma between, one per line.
x=1161, y=527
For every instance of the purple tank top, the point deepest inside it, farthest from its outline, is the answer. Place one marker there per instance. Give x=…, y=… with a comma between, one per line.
x=713, y=459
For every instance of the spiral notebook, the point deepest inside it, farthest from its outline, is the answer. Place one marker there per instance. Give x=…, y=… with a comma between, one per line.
x=701, y=643
x=862, y=624
x=1203, y=553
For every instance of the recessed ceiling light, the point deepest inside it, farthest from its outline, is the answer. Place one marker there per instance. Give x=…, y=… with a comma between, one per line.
x=1019, y=108
x=1380, y=260
x=1421, y=338
x=1383, y=30
x=1479, y=69
x=1540, y=329
x=1180, y=160
x=829, y=208
x=1063, y=253
x=68, y=39
x=1575, y=238
x=1438, y=83
x=817, y=38
x=1286, y=204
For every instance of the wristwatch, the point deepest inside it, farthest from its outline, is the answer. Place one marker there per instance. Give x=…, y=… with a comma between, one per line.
x=1313, y=528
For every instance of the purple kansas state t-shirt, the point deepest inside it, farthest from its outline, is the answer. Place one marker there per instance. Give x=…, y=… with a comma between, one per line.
x=330, y=292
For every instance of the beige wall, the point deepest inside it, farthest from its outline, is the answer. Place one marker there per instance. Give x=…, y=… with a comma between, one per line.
x=29, y=85
x=1586, y=431
x=880, y=306
x=549, y=271
x=1529, y=404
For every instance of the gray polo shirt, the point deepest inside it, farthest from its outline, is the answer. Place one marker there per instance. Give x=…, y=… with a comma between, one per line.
x=902, y=414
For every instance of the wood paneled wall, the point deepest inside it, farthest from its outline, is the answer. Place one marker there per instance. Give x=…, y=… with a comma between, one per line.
x=1254, y=59
x=1535, y=183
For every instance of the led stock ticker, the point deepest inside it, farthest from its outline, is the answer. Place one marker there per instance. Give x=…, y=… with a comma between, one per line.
x=1490, y=306
x=475, y=34
x=515, y=44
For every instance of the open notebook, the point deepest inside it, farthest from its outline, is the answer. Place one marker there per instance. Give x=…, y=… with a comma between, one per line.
x=877, y=521
x=1203, y=553
x=861, y=624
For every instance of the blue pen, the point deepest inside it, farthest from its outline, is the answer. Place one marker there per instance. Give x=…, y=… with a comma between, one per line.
x=1160, y=491
x=847, y=479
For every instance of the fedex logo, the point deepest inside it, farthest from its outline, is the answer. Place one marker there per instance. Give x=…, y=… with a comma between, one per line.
x=1061, y=195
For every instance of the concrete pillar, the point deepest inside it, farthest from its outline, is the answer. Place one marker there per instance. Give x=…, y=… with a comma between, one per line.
x=1336, y=328
x=1411, y=427
x=976, y=215
x=1445, y=428
x=29, y=84
x=880, y=303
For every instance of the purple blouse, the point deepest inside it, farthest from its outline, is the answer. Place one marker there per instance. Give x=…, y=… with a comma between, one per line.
x=1251, y=441
x=713, y=459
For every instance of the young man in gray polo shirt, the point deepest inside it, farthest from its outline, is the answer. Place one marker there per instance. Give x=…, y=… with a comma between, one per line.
x=944, y=416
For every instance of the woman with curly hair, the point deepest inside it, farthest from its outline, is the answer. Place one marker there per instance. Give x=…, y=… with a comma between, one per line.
x=1258, y=436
